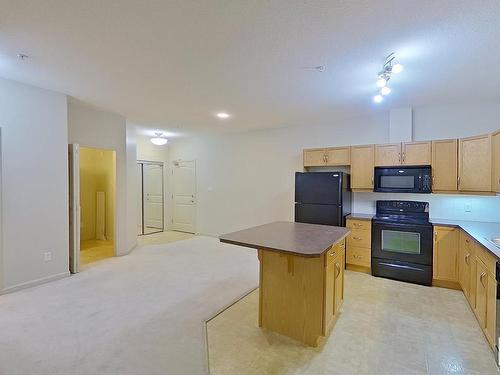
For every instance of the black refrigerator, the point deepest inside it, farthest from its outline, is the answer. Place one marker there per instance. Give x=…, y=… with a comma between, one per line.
x=322, y=198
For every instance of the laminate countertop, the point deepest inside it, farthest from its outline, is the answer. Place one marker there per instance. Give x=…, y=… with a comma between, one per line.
x=480, y=231
x=357, y=216
x=306, y=240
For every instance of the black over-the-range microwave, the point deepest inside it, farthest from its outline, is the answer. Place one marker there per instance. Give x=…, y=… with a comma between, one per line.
x=403, y=179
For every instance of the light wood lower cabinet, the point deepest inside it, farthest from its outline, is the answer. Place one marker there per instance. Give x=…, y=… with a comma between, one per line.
x=445, y=255
x=362, y=162
x=359, y=242
x=476, y=270
x=300, y=297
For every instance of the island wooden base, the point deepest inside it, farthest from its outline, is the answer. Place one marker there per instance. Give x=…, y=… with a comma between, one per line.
x=300, y=297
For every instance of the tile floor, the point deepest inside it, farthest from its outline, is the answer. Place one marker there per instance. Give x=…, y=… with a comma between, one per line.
x=386, y=327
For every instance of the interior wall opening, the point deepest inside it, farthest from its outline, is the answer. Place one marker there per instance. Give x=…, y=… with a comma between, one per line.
x=150, y=198
x=97, y=204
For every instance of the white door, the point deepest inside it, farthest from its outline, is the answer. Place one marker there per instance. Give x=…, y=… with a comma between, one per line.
x=184, y=196
x=74, y=207
x=139, y=198
x=153, y=196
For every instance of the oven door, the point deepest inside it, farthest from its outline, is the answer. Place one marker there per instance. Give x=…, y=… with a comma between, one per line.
x=402, y=180
x=402, y=242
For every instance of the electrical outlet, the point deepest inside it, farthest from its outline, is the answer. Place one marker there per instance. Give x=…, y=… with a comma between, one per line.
x=47, y=256
x=468, y=207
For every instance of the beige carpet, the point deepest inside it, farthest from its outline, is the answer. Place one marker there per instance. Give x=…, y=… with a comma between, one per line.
x=139, y=314
x=386, y=327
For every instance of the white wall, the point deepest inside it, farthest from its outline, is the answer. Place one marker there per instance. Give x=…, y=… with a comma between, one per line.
x=150, y=152
x=91, y=127
x=131, y=149
x=247, y=179
x=34, y=184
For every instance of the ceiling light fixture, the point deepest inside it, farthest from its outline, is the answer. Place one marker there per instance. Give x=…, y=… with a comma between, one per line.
x=385, y=90
x=222, y=115
x=158, y=139
x=384, y=76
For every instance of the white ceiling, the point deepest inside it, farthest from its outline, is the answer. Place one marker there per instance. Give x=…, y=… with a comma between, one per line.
x=175, y=63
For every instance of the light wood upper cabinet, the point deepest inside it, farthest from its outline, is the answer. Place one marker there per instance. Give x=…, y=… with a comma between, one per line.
x=314, y=157
x=338, y=156
x=474, y=164
x=388, y=154
x=496, y=162
x=416, y=153
x=445, y=165
x=445, y=261
x=362, y=161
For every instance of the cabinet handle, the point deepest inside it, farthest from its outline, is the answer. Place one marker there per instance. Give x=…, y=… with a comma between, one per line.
x=326, y=158
x=399, y=157
x=458, y=180
x=433, y=180
x=404, y=157
x=333, y=254
x=357, y=225
x=483, y=274
x=372, y=181
x=466, y=240
x=467, y=258
x=337, y=266
x=357, y=238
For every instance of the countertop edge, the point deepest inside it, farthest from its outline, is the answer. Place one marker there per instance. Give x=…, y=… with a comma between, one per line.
x=282, y=251
x=359, y=216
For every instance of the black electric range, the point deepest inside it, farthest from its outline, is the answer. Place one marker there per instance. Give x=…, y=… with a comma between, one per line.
x=402, y=241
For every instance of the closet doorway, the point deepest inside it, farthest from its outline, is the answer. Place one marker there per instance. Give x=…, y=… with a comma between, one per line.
x=151, y=195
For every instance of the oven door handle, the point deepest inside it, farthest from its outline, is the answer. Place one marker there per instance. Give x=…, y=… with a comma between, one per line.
x=401, y=266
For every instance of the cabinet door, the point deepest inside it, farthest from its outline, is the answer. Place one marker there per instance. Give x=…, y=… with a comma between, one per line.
x=362, y=158
x=496, y=162
x=474, y=164
x=388, y=155
x=329, y=310
x=339, y=284
x=444, y=165
x=416, y=153
x=314, y=158
x=338, y=156
x=481, y=293
x=491, y=310
x=445, y=262
x=464, y=263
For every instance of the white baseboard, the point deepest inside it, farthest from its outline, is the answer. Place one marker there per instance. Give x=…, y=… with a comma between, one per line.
x=30, y=284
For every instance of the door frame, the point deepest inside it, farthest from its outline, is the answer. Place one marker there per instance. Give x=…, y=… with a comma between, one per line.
x=171, y=196
x=162, y=165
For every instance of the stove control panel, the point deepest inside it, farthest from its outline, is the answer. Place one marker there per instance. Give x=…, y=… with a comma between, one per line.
x=407, y=207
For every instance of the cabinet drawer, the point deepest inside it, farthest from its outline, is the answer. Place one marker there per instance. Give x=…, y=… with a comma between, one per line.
x=335, y=251
x=358, y=256
x=360, y=238
x=359, y=224
x=486, y=258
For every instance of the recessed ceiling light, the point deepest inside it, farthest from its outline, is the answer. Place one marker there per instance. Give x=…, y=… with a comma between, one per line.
x=378, y=98
x=222, y=115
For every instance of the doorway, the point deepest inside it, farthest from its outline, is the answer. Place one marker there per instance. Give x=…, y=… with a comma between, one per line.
x=150, y=198
x=97, y=192
x=184, y=196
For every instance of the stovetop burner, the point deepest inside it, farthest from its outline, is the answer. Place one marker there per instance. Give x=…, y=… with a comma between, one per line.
x=409, y=212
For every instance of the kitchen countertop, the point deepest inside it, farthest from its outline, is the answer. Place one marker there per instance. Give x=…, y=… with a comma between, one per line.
x=478, y=230
x=306, y=240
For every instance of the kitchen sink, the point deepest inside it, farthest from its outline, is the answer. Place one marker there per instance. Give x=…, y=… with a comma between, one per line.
x=495, y=241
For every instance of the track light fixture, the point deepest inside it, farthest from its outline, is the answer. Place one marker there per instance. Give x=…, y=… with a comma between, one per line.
x=384, y=76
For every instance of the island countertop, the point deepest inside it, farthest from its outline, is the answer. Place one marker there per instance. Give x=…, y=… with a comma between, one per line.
x=306, y=240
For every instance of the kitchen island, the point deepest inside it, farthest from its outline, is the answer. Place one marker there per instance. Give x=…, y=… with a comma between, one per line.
x=301, y=283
